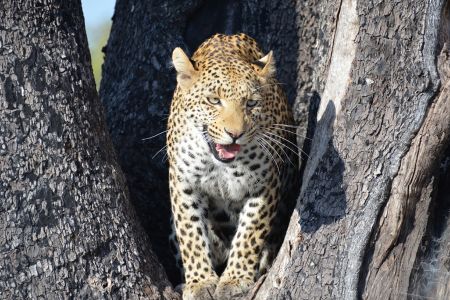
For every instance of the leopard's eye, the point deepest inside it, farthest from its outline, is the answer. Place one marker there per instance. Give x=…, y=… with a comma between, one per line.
x=251, y=103
x=214, y=101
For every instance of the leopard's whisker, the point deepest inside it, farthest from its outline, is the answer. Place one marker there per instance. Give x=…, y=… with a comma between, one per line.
x=268, y=152
x=293, y=132
x=278, y=153
x=273, y=148
x=285, y=125
x=272, y=133
x=281, y=147
x=284, y=139
x=153, y=136
x=296, y=147
x=165, y=146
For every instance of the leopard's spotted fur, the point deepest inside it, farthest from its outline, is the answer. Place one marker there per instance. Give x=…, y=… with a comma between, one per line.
x=224, y=208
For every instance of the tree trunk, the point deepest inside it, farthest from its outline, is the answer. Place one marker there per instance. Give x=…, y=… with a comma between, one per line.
x=373, y=192
x=66, y=227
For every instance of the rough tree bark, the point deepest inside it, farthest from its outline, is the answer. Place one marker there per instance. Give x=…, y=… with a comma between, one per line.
x=365, y=213
x=66, y=227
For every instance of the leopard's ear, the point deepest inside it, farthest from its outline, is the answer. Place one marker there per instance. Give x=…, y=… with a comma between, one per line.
x=186, y=73
x=267, y=64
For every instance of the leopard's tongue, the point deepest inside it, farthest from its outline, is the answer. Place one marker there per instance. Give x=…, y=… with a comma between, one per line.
x=227, y=151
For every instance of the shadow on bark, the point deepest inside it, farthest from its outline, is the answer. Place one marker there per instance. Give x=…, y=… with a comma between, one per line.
x=432, y=266
x=329, y=203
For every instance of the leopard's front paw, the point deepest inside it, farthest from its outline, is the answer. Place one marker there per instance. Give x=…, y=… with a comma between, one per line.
x=203, y=290
x=231, y=288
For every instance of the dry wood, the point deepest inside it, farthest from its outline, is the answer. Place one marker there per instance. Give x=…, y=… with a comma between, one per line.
x=404, y=218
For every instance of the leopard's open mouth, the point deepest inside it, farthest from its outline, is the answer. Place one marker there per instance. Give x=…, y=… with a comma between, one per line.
x=223, y=153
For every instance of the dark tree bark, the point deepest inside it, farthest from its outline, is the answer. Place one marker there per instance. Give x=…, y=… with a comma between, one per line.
x=66, y=227
x=136, y=90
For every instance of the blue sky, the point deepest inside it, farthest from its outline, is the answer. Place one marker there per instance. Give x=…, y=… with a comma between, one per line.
x=96, y=12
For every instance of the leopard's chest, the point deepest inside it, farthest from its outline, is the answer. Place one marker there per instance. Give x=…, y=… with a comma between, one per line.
x=227, y=184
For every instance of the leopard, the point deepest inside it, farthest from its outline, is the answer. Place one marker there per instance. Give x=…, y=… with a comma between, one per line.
x=230, y=145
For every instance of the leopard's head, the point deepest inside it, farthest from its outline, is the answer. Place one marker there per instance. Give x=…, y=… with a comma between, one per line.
x=228, y=97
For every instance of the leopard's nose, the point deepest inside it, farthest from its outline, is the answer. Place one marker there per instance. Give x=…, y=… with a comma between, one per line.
x=234, y=134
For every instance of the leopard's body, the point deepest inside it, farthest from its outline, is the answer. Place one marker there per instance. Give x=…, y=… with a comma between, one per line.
x=230, y=157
